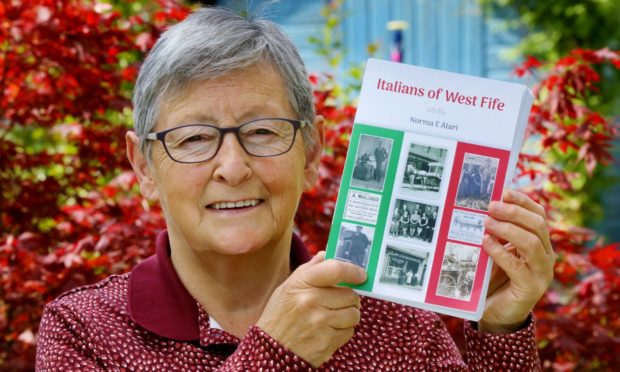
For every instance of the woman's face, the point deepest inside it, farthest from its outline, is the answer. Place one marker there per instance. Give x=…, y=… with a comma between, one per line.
x=196, y=197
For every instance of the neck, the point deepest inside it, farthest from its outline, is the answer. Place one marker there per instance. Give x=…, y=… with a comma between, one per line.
x=233, y=289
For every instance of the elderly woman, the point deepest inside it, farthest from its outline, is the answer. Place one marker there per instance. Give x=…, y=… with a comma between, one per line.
x=226, y=141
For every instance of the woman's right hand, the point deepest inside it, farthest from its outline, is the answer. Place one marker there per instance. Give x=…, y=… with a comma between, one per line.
x=309, y=314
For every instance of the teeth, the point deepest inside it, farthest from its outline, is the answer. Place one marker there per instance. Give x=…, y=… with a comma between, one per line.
x=239, y=204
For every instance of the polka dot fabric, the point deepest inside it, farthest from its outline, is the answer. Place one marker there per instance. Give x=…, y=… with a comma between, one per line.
x=147, y=321
x=89, y=329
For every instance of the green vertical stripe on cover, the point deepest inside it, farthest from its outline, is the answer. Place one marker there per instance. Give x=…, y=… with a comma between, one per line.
x=386, y=196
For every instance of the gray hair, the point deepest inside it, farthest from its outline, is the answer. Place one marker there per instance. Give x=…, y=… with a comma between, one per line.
x=210, y=43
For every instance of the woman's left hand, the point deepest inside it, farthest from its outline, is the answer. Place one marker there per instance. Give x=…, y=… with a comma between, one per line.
x=523, y=268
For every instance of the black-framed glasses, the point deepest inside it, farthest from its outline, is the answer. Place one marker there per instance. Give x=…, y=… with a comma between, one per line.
x=195, y=143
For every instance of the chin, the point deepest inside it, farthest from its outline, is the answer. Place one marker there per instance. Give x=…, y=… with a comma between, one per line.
x=237, y=244
x=237, y=250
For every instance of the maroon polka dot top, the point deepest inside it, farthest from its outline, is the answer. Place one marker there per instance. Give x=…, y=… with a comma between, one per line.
x=147, y=321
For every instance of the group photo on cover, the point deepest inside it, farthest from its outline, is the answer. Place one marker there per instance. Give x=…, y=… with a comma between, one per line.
x=476, y=182
x=413, y=221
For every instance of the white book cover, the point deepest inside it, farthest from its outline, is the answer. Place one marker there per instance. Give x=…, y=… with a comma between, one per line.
x=429, y=150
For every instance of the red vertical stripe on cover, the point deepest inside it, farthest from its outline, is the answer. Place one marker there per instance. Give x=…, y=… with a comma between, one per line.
x=431, y=294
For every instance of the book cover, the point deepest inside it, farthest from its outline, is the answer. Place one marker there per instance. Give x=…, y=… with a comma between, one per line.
x=429, y=150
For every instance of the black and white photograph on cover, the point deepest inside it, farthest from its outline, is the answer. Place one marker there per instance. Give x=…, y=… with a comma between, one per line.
x=423, y=171
x=404, y=267
x=373, y=154
x=413, y=221
x=458, y=270
x=354, y=242
x=466, y=226
x=476, y=182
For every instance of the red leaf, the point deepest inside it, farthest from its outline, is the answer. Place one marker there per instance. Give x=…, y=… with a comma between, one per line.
x=606, y=257
x=566, y=62
x=527, y=65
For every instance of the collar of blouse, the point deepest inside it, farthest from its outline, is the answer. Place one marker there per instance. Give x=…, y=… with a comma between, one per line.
x=159, y=302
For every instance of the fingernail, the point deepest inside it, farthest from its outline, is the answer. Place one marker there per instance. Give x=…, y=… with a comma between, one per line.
x=485, y=238
x=489, y=221
x=363, y=275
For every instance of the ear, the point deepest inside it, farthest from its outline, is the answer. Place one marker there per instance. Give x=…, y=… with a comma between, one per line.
x=140, y=166
x=313, y=156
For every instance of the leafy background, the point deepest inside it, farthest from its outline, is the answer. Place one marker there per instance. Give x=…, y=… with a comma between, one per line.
x=71, y=213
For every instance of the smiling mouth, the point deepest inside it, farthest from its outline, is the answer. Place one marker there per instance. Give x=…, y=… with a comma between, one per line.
x=234, y=205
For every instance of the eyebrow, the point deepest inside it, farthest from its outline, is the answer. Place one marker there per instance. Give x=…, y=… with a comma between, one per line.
x=251, y=113
x=196, y=118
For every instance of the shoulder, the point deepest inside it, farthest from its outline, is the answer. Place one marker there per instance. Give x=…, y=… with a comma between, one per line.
x=99, y=300
x=112, y=287
x=84, y=318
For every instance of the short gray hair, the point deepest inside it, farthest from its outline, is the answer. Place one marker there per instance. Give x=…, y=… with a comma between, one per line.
x=210, y=43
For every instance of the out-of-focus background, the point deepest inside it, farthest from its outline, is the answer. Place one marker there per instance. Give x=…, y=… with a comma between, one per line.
x=70, y=209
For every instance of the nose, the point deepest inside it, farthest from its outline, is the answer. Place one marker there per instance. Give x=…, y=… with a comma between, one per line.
x=231, y=162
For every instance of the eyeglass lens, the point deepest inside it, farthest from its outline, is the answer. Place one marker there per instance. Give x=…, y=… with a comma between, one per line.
x=194, y=143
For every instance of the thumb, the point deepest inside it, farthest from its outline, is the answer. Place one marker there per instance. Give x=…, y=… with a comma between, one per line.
x=332, y=272
x=316, y=259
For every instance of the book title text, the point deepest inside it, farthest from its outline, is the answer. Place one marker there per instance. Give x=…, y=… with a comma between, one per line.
x=486, y=102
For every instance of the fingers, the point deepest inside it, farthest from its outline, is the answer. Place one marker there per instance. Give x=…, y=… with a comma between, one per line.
x=507, y=261
x=319, y=257
x=332, y=272
x=518, y=198
x=521, y=222
x=520, y=210
x=345, y=318
x=499, y=279
x=529, y=246
x=339, y=297
x=521, y=217
x=526, y=285
x=330, y=298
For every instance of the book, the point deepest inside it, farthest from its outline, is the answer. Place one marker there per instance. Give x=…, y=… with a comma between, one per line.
x=428, y=151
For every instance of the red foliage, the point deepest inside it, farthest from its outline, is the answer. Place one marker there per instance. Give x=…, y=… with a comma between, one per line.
x=65, y=66
x=314, y=215
x=561, y=114
x=579, y=316
x=529, y=64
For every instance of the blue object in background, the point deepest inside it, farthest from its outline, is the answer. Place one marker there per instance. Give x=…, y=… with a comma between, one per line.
x=451, y=35
x=397, y=28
